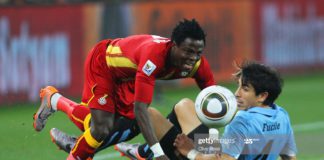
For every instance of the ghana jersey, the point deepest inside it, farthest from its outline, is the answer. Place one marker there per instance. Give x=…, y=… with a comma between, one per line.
x=129, y=67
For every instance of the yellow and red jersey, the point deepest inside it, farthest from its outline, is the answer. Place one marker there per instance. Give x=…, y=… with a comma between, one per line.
x=128, y=67
x=143, y=57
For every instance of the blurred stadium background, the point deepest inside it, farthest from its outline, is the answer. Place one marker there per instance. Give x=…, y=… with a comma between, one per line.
x=45, y=43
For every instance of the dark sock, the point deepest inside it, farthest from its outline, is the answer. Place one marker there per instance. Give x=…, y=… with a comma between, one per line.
x=144, y=151
x=201, y=129
x=172, y=117
x=166, y=143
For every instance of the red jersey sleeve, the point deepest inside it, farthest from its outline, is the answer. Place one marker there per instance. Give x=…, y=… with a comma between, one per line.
x=150, y=64
x=204, y=75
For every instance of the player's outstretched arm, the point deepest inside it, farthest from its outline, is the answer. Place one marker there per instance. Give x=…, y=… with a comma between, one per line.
x=146, y=127
x=186, y=147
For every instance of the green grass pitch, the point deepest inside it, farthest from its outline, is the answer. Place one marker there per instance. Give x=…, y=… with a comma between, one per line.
x=303, y=98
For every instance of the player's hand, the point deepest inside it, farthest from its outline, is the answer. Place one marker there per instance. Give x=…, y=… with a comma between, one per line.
x=164, y=157
x=183, y=144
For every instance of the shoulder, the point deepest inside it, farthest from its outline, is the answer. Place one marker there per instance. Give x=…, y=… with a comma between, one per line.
x=150, y=40
x=143, y=41
x=283, y=114
x=138, y=37
x=151, y=45
x=281, y=110
x=242, y=116
x=203, y=60
x=202, y=65
x=241, y=120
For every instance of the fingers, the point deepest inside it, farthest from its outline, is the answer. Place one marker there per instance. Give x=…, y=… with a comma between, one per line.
x=179, y=140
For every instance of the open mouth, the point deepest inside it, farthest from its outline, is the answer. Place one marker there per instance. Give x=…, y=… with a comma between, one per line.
x=187, y=67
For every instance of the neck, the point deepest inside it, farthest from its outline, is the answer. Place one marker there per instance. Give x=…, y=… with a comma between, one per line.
x=169, y=57
x=264, y=106
x=259, y=105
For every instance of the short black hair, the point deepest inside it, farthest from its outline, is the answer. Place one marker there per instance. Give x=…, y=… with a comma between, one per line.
x=187, y=29
x=263, y=79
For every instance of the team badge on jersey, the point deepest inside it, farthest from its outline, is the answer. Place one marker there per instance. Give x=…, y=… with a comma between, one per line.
x=102, y=101
x=148, y=67
x=183, y=74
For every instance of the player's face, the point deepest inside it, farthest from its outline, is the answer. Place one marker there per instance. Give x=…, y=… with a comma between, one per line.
x=245, y=96
x=186, y=54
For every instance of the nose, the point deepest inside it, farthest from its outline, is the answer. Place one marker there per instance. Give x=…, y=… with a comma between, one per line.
x=193, y=58
x=237, y=92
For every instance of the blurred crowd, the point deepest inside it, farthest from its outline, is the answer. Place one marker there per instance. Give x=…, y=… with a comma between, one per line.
x=40, y=2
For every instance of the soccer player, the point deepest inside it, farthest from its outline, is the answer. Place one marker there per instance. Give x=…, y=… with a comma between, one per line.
x=119, y=80
x=182, y=119
x=261, y=129
x=259, y=121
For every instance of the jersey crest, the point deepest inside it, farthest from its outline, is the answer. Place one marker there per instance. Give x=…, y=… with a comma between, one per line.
x=148, y=67
x=183, y=74
x=102, y=101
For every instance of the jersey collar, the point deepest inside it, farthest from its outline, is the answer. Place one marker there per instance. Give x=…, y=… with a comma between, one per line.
x=265, y=111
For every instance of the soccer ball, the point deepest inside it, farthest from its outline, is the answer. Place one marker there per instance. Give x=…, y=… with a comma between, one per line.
x=215, y=106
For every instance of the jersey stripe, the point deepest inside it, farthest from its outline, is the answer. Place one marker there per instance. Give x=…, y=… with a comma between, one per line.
x=120, y=62
x=86, y=122
x=92, y=142
x=194, y=70
x=113, y=50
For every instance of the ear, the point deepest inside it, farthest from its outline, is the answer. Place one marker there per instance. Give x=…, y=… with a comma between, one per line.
x=262, y=97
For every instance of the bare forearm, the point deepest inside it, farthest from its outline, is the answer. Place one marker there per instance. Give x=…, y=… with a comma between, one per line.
x=201, y=156
x=144, y=122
